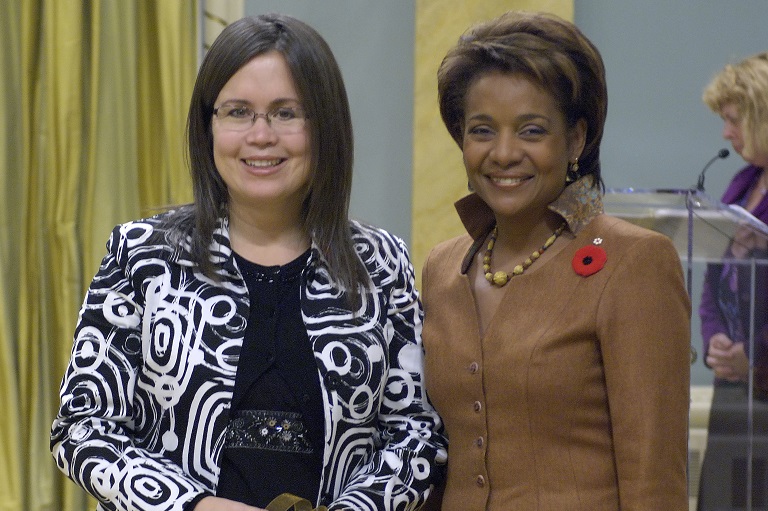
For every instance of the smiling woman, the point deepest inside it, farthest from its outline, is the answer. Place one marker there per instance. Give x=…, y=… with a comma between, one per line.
x=254, y=343
x=264, y=163
x=559, y=389
x=516, y=147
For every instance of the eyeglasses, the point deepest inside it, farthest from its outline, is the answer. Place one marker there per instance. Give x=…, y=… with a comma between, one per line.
x=282, y=119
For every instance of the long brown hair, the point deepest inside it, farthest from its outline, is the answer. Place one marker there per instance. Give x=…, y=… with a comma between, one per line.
x=321, y=90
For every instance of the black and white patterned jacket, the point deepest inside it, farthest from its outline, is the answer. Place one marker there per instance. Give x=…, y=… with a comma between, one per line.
x=145, y=399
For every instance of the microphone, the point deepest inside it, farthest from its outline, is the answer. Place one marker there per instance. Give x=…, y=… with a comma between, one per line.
x=722, y=153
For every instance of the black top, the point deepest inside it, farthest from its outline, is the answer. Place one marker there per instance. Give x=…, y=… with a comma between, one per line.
x=275, y=435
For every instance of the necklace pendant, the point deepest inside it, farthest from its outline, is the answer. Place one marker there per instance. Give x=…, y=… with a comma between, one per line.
x=500, y=278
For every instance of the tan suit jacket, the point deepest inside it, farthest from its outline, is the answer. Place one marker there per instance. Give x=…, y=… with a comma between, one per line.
x=577, y=396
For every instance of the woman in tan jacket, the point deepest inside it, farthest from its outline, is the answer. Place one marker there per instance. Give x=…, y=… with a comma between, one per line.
x=557, y=338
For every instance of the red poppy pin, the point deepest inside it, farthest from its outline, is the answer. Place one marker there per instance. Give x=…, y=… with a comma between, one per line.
x=590, y=259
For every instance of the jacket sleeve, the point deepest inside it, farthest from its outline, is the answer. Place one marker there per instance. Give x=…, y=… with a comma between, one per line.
x=412, y=454
x=644, y=335
x=92, y=437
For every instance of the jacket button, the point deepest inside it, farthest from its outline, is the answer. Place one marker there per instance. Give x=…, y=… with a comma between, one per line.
x=480, y=481
x=332, y=381
x=479, y=441
x=478, y=406
x=473, y=367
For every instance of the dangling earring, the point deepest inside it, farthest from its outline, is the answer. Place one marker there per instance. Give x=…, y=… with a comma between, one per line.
x=469, y=186
x=572, y=174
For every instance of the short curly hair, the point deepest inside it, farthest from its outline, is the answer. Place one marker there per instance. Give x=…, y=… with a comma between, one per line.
x=745, y=85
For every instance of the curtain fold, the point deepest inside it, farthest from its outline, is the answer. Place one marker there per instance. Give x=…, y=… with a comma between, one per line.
x=93, y=101
x=11, y=120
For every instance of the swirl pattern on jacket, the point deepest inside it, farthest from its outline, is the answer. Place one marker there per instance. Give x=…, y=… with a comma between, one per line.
x=145, y=399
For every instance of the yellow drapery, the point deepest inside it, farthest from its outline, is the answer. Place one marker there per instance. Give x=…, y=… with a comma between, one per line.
x=93, y=100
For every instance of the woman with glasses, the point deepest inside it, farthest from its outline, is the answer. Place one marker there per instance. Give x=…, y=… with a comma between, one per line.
x=256, y=342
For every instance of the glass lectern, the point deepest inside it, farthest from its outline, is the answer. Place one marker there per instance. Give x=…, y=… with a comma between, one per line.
x=724, y=252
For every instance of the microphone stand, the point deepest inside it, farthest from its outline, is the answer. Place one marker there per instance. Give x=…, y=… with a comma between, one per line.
x=722, y=153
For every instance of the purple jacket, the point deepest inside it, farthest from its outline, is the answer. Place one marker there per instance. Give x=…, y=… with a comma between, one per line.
x=712, y=320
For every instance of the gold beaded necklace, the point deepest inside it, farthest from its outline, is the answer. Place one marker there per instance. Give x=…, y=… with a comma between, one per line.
x=500, y=278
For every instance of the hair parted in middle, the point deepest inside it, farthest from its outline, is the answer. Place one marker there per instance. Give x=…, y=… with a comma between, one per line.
x=321, y=90
x=546, y=49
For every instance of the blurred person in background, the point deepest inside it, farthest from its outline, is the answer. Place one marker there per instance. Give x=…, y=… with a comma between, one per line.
x=739, y=95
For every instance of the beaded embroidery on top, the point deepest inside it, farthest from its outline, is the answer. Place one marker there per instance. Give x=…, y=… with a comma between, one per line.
x=269, y=430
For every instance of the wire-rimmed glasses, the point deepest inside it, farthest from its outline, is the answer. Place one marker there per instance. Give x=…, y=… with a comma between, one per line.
x=282, y=119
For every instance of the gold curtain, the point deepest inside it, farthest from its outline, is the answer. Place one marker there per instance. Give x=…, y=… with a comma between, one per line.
x=93, y=100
